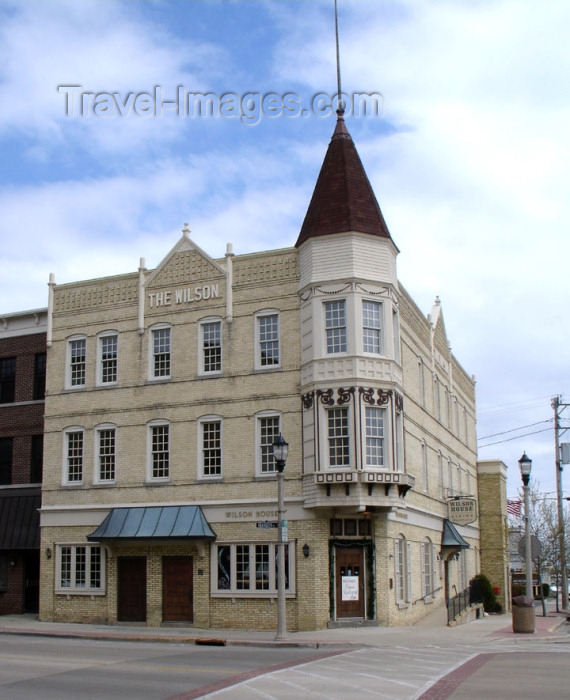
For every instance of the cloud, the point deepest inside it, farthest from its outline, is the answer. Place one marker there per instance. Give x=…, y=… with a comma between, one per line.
x=103, y=47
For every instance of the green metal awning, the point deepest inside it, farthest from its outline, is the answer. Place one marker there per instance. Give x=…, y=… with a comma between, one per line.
x=154, y=523
x=450, y=537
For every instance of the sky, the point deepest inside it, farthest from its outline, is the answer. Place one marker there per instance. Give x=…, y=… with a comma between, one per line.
x=469, y=156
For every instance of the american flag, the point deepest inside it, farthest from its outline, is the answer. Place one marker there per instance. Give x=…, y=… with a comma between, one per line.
x=514, y=507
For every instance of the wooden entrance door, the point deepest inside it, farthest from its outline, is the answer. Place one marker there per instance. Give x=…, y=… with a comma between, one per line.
x=349, y=570
x=177, y=589
x=131, y=594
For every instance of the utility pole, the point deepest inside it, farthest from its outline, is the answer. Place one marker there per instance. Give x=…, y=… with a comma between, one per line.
x=559, y=407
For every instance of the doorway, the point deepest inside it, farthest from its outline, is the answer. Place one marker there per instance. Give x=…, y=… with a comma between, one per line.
x=349, y=582
x=131, y=606
x=177, y=589
x=31, y=581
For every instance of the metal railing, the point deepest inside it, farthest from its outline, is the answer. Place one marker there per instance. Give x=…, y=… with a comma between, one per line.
x=457, y=604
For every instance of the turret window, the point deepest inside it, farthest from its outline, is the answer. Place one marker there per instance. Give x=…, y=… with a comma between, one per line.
x=372, y=327
x=375, y=444
x=338, y=437
x=335, y=326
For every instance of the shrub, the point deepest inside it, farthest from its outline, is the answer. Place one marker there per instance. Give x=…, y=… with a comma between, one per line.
x=490, y=604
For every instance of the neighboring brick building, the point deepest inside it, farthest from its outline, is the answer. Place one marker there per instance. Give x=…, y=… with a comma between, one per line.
x=22, y=389
x=494, y=528
x=167, y=388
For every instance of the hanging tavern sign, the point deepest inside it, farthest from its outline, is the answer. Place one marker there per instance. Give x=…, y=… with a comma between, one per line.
x=462, y=511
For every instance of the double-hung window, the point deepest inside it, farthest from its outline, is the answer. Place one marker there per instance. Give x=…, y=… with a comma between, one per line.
x=74, y=446
x=402, y=571
x=211, y=346
x=372, y=315
x=7, y=379
x=211, y=447
x=338, y=437
x=106, y=446
x=160, y=359
x=37, y=459
x=40, y=376
x=268, y=430
x=335, y=326
x=6, y=454
x=249, y=569
x=396, y=334
x=80, y=569
x=268, y=340
x=77, y=354
x=108, y=356
x=428, y=569
x=159, y=452
x=375, y=437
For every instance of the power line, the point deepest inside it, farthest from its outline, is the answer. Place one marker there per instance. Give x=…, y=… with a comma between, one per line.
x=512, y=430
x=517, y=437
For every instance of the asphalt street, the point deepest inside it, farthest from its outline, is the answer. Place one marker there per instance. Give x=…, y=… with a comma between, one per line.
x=430, y=661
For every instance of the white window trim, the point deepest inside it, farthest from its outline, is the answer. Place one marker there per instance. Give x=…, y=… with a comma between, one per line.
x=151, y=375
x=385, y=466
x=157, y=479
x=73, y=590
x=252, y=593
x=258, y=316
x=427, y=553
x=402, y=586
x=425, y=466
x=258, y=417
x=396, y=335
x=105, y=334
x=203, y=322
x=325, y=439
x=398, y=448
x=65, y=454
x=421, y=379
x=441, y=476
x=382, y=329
x=96, y=454
x=68, y=384
x=200, y=441
x=326, y=352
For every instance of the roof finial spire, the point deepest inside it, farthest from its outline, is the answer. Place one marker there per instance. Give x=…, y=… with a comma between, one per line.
x=340, y=101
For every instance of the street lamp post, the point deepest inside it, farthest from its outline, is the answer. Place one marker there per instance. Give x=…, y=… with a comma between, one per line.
x=525, y=464
x=280, y=450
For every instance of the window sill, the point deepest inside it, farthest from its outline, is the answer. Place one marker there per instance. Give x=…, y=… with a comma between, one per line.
x=72, y=591
x=158, y=482
x=264, y=370
x=272, y=595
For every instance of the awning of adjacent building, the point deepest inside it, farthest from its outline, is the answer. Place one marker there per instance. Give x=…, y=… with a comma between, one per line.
x=20, y=519
x=450, y=537
x=154, y=522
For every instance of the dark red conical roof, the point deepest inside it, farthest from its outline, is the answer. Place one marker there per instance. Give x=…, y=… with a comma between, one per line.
x=343, y=199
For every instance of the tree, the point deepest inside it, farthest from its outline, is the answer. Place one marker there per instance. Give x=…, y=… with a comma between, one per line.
x=544, y=525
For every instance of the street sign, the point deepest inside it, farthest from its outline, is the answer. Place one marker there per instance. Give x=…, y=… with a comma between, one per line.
x=266, y=524
x=284, y=531
x=535, y=547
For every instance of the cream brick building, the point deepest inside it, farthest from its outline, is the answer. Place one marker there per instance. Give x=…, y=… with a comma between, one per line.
x=167, y=387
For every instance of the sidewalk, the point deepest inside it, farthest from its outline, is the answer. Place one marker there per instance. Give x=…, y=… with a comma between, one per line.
x=485, y=629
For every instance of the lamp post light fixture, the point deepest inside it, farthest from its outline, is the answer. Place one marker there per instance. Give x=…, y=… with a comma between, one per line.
x=525, y=465
x=280, y=450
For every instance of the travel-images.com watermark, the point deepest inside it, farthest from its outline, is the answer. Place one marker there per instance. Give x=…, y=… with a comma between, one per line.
x=249, y=107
